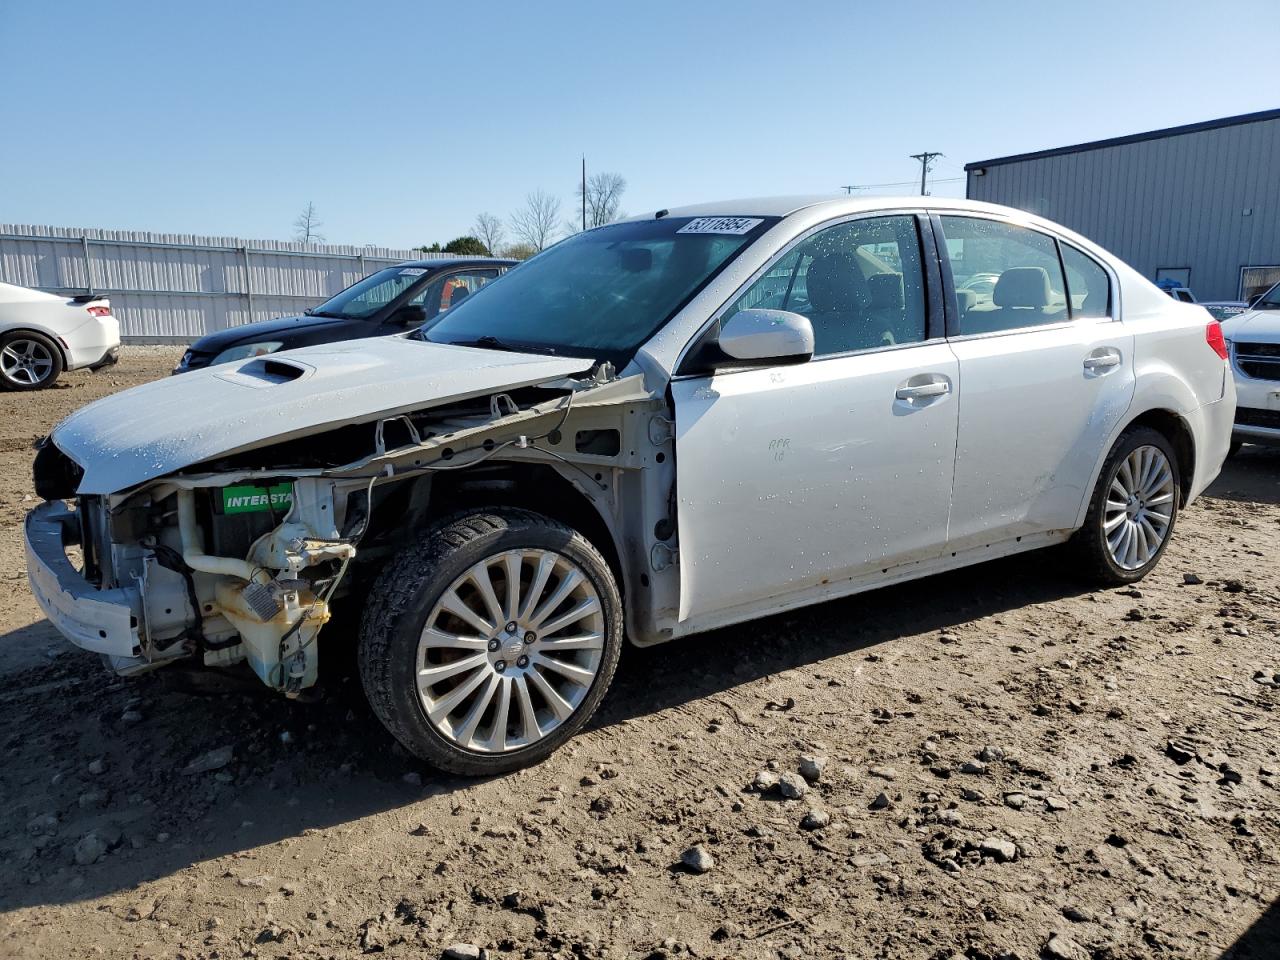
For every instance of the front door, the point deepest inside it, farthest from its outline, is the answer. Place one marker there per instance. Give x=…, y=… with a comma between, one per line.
x=794, y=477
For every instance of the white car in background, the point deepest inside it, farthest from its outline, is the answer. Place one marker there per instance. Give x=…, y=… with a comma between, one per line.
x=1254, y=340
x=42, y=334
x=662, y=426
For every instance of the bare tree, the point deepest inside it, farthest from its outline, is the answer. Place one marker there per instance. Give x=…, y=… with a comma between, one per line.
x=490, y=231
x=538, y=220
x=604, y=195
x=307, y=227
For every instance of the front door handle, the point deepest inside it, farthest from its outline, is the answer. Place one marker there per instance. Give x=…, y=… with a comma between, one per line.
x=923, y=391
x=1102, y=360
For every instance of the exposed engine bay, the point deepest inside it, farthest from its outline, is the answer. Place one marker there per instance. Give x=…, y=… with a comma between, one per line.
x=240, y=558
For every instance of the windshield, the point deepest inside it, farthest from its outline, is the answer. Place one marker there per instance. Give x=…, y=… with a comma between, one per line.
x=602, y=293
x=371, y=294
x=1269, y=300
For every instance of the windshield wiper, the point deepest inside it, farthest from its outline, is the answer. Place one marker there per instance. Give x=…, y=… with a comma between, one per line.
x=493, y=343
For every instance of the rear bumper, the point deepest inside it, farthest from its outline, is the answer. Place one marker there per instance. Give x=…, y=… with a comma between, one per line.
x=104, y=621
x=92, y=343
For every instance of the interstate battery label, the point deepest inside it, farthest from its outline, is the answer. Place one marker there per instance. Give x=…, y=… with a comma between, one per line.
x=251, y=499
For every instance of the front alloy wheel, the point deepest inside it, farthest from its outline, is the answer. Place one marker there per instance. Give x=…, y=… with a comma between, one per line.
x=492, y=641
x=510, y=650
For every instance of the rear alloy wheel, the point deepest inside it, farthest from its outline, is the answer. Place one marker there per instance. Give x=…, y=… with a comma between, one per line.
x=492, y=642
x=28, y=361
x=1134, y=508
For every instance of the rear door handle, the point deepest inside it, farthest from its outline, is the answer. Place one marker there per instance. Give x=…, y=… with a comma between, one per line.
x=1102, y=360
x=923, y=391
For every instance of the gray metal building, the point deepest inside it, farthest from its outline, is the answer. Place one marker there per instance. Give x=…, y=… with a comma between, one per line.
x=1197, y=204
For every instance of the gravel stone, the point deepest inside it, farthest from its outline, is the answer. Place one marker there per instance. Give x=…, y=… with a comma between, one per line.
x=212, y=760
x=973, y=766
x=698, y=859
x=462, y=951
x=815, y=819
x=1002, y=850
x=792, y=786
x=1064, y=948
x=765, y=781
x=812, y=767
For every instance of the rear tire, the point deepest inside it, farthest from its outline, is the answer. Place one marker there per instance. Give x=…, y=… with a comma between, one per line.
x=444, y=670
x=28, y=361
x=1134, y=509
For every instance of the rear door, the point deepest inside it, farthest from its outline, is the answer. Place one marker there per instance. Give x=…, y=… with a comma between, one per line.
x=791, y=478
x=1046, y=371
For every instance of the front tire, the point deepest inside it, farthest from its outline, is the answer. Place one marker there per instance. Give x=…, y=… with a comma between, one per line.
x=490, y=642
x=1134, y=509
x=28, y=361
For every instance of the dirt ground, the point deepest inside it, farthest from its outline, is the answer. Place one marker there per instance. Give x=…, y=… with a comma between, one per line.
x=1017, y=767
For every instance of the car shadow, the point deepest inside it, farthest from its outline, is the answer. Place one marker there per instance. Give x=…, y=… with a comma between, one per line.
x=1251, y=476
x=1261, y=941
x=91, y=754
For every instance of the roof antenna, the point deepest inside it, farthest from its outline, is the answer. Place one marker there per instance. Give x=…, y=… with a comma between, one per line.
x=661, y=213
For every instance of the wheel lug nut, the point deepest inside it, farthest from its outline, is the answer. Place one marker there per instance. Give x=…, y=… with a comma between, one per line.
x=500, y=666
x=522, y=662
x=493, y=645
x=511, y=627
x=530, y=637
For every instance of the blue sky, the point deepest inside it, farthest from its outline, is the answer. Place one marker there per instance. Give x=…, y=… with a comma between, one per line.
x=402, y=121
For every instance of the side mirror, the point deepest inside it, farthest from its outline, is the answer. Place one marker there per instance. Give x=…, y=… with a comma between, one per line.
x=759, y=336
x=410, y=315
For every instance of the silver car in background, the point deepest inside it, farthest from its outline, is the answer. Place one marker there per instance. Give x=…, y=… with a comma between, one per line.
x=678, y=422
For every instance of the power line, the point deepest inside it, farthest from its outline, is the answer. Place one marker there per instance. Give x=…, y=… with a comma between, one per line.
x=896, y=183
x=926, y=164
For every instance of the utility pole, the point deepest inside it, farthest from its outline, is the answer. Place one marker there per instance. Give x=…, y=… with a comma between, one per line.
x=926, y=164
x=849, y=188
x=584, y=191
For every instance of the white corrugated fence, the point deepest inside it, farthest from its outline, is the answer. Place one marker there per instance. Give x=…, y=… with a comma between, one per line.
x=168, y=287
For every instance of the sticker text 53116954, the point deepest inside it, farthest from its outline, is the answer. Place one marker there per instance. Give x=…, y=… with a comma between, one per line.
x=730, y=225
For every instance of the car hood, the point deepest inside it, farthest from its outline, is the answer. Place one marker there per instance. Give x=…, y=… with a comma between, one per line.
x=166, y=425
x=1256, y=324
x=266, y=329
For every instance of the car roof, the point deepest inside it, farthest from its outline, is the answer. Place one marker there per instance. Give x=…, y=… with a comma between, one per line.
x=834, y=205
x=438, y=262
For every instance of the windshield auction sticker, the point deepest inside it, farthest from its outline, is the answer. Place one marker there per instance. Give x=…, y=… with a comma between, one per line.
x=730, y=225
x=413, y=271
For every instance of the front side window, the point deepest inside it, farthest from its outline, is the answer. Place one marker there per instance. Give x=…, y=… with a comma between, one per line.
x=1088, y=288
x=859, y=283
x=602, y=293
x=1006, y=277
x=366, y=297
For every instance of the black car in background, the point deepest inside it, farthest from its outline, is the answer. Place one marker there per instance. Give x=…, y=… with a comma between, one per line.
x=390, y=301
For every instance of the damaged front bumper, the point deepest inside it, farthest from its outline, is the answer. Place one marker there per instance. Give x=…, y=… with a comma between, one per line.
x=104, y=621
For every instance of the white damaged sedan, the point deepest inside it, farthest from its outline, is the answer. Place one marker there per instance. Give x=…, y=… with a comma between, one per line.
x=685, y=420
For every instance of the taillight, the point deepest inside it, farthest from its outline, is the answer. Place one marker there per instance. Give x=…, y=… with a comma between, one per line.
x=99, y=311
x=1213, y=337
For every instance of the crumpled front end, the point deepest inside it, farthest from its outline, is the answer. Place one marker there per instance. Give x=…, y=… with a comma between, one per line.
x=181, y=569
x=238, y=557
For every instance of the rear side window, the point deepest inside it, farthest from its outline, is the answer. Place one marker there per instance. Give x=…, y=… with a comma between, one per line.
x=1088, y=288
x=1006, y=277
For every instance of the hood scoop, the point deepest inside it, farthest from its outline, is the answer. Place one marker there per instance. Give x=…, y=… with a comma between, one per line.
x=266, y=372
